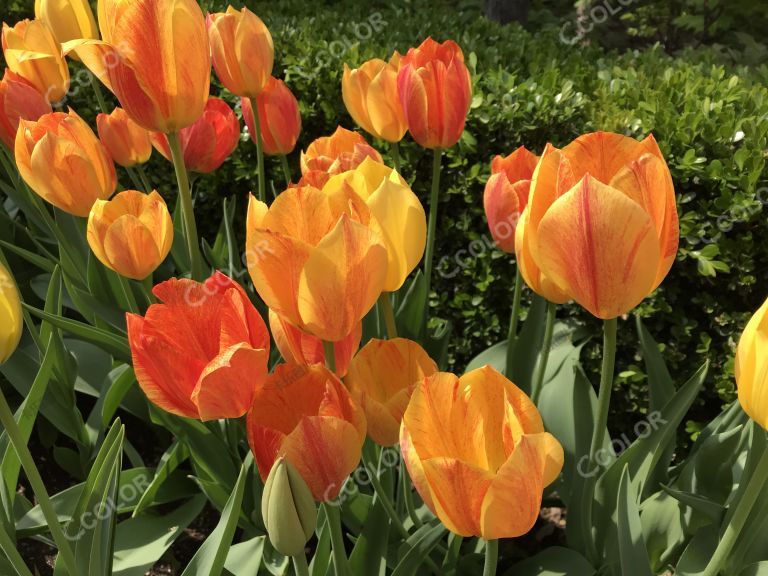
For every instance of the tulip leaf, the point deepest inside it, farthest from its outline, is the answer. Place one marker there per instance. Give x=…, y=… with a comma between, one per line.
x=710, y=510
x=412, y=310
x=495, y=356
x=757, y=569
x=633, y=554
x=321, y=561
x=36, y=260
x=697, y=554
x=554, y=561
x=14, y=560
x=663, y=520
x=246, y=557
x=418, y=547
x=369, y=554
x=175, y=455
x=528, y=345
x=661, y=387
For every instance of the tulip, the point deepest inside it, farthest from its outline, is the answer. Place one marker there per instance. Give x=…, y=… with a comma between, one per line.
x=242, y=49
x=132, y=233
x=298, y=347
x=208, y=142
x=478, y=454
x=370, y=95
x=316, y=259
x=381, y=378
x=342, y=151
x=68, y=19
x=154, y=57
x=128, y=143
x=203, y=351
x=396, y=210
x=752, y=367
x=306, y=415
x=506, y=195
x=435, y=91
x=19, y=100
x=61, y=159
x=288, y=509
x=279, y=118
x=11, y=319
x=32, y=52
x=602, y=221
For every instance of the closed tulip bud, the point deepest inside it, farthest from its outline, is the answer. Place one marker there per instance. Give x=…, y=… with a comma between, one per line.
x=752, y=367
x=382, y=377
x=203, y=351
x=299, y=347
x=154, y=57
x=506, y=195
x=288, y=509
x=208, y=142
x=395, y=209
x=478, y=454
x=243, y=54
x=11, y=319
x=601, y=222
x=342, y=151
x=32, y=52
x=19, y=100
x=68, y=19
x=370, y=95
x=64, y=162
x=128, y=143
x=278, y=115
x=435, y=91
x=131, y=234
x=306, y=415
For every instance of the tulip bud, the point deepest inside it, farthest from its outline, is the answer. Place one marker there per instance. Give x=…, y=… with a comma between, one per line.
x=19, y=100
x=68, y=19
x=10, y=315
x=288, y=509
x=127, y=142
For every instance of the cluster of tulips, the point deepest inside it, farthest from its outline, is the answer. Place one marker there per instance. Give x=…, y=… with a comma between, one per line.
x=594, y=222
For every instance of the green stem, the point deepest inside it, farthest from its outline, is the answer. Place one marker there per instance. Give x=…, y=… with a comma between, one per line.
x=385, y=301
x=147, y=285
x=340, y=561
x=300, y=565
x=432, y=227
x=541, y=367
x=130, y=299
x=286, y=169
x=606, y=385
x=744, y=506
x=408, y=497
x=330, y=356
x=259, y=151
x=99, y=94
x=187, y=209
x=143, y=178
x=491, y=557
x=394, y=148
x=33, y=476
x=389, y=508
x=513, y=322
x=135, y=180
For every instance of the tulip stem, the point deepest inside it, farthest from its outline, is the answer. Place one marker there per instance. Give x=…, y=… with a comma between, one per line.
x=513, y=322
x=99, y=94
x=541, y=366
x=432, y=227
x=143, y=178
x=259, y=151
x=330, y=356
x=130, y=298
x=491, y=557
x=384, y=497
x=408, y=497
x=187, y=209
x=606, y=385
x=340, y=561
x=36, y=482
x=300, y=564
x=741, y=512
x=385, y=301
x=286, y=169
x=395, y=150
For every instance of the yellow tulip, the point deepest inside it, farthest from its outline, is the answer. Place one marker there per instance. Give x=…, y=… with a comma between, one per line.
x=752, y=367
x=396, y=210
x=11, y=322
x=68, y=19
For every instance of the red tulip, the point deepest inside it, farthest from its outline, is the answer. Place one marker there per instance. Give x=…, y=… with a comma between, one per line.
x=278, y=115
x=19, y=100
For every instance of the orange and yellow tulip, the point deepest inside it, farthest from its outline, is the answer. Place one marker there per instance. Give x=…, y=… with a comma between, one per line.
x=752, y=367
x=203, y=351
x=11, y=317
x=435, y=91
x=64, y=162
x=19, y=100
x=127, y=142
x=68, y=19
x=316, y=259
x=602, y=222
x=154, y=57
x=506, y=195
x=381, y=378
x=132, y=233
x=298, y=347
x=370, y=95
x=279, y=117
x=478, y=454
x=396, y=210
x=243, y=54
x=32, y=52
x=306, y=415
x=342, y=151
x=209, y=141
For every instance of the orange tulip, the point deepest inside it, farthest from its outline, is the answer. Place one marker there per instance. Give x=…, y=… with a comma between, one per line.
x=435, y=91
x=304, y=414
x=298, y=347
x=316, y=259
x=278, y=115
x=128, y=143
x=752, y=367
x=315, y=178
x=61, y=159
x=203, y=352
x=209, y=141
x=154, y=57
x=32, y=52
x=506, y=195
x=602, y=221
x=132, y=233
x=381, y=378
x=478, y=454
x=342, y=151
x=370, y=95
x=243, y=54
x=19, y=100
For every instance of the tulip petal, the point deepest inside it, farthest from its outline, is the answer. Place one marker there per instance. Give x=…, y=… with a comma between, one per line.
x=130, y=248
x=531, y=273
x=602, y=154
x=503, y=203
x=752, y=367
x=414, y=468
